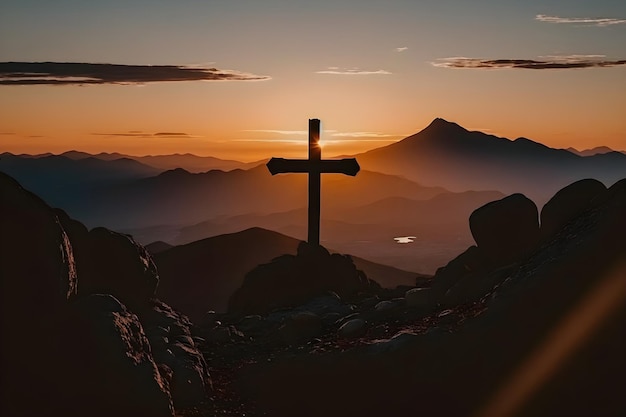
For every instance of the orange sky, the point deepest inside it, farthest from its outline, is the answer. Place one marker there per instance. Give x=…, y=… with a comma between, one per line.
x=373, y=75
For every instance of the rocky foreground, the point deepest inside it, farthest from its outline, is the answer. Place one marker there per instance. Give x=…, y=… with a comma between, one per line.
x=529, y=322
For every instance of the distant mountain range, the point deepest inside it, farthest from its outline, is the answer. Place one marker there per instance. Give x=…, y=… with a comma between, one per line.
x=205, y=196
x=598, y=150
x=58, y=178
x=187, y=161
x=207, y=272
x=450, y=156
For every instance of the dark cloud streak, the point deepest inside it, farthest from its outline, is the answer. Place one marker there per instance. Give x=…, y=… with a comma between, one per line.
x=556, y=63
x=138, y=134
x=74, y=73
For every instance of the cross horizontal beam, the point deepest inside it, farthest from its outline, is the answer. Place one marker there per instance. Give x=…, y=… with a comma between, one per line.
x=347, y=166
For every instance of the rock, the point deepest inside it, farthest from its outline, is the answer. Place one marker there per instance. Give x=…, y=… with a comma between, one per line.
x=37, y=266
x=473, y=287
x=507, y=229
x=401, y=340
x=218, y=335
x=108, y=363
x=290, y=280
x=78, y=236
x=388, y=305
x=301, y=327
x=419, y=298
x=118, y=265
x=472, y=261
x=37, y=278
x=174, y=346
x=567, y=203
x=352, y=329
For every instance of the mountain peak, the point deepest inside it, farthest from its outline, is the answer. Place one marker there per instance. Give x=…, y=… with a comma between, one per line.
x=439, y=125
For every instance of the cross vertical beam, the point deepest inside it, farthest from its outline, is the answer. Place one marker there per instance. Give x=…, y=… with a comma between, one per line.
x=314, y=166
x=315, y=155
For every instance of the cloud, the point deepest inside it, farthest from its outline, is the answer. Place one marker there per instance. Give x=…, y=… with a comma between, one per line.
x=555, y=62
x=591, y=21
x=402, y=49
x=351, y=71
x=280, y=132
x=140, y=134
x=363, y=135
x=74, y=73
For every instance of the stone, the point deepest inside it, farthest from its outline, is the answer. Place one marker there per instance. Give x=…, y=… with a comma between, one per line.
x=471, y=261
x=37, y=279
x=419, y=298
x=107, y=363
x=567, y=203
x=352, y=329
x=174, y=346
x=289, y=281
x=507, y=229
x=118, y=265
x=301, y=327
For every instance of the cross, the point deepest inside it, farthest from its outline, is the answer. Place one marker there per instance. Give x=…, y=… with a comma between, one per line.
x=314, y=166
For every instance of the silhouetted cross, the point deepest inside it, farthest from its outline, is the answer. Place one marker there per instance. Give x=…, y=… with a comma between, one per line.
x=314, y=166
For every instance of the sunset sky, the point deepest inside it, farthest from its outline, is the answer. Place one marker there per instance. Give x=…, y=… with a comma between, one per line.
x=244, y=76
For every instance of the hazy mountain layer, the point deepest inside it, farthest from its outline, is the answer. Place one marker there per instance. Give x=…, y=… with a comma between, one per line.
x=448, y=155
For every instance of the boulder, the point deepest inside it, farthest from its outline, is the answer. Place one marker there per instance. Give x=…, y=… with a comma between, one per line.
x=116, y=264
x=293, y=280
x=507, y=229
x=175, y=348
x=107, y=366
x=352, y=329
x=37, y=266
x=420, y=298
x=470, y=262
x=37, y=278
x=567, y=203
x=301, y=327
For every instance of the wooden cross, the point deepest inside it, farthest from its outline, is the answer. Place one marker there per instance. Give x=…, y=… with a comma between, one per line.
x=314, y=166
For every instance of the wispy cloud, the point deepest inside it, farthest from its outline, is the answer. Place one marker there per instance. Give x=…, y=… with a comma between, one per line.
x=279, y=132
x=328, y=134
x=555, y=62
x=591, y=21
x=363, y=135
x=140, y=134
x=402, y=49
x=352, y=71
x=75, y=73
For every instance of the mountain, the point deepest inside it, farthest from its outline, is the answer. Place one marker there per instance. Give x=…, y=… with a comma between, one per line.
x=439, y=224
x=598, y=150
x=178, y=197
x=187, y=161
x=202, y=275
x=57, y=178
x=450, y=156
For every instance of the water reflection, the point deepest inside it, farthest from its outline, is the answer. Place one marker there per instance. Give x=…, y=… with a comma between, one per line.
x=405, y=239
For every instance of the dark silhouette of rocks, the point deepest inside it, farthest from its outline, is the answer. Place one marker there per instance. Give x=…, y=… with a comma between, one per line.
x=70, y=346
x=201, y=276
x=291, y=280
x=37, y=279
x=567, y=204
x=556, y=312
x=506, y=229
x=109, y=364
x=175, y=350
x=132, y=277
